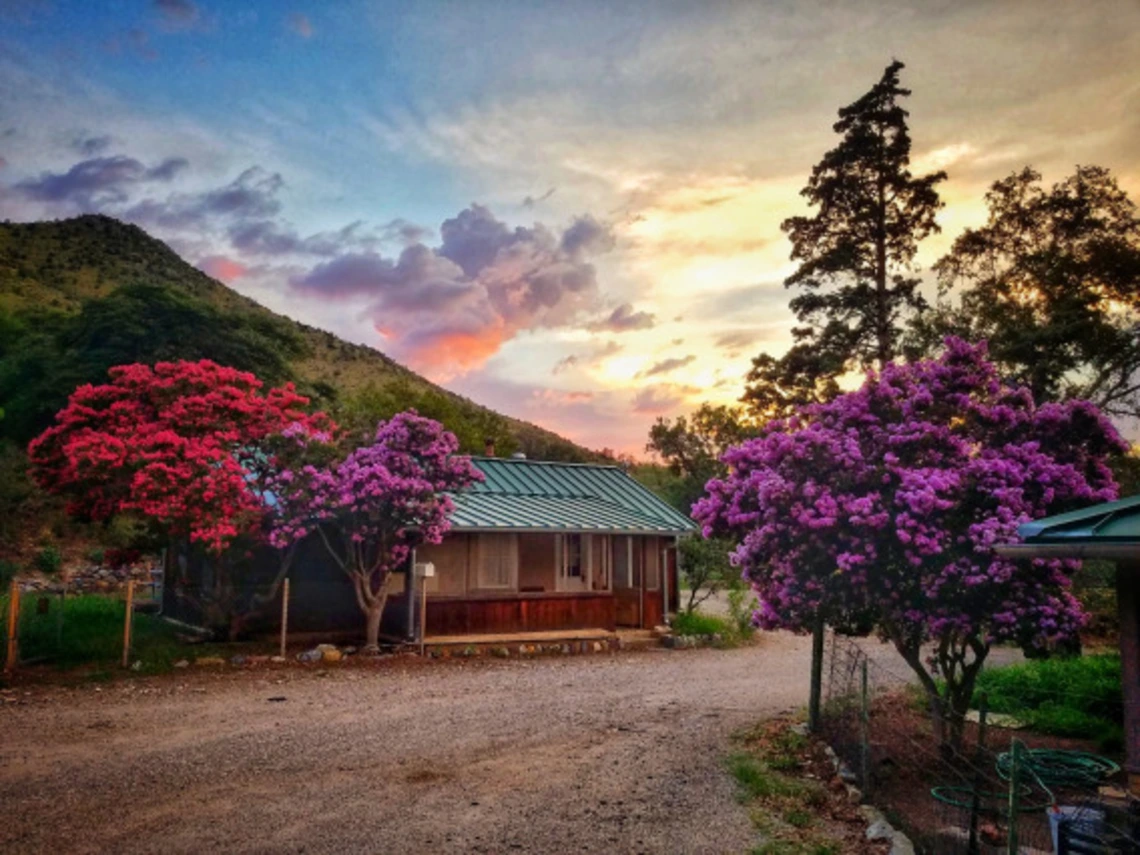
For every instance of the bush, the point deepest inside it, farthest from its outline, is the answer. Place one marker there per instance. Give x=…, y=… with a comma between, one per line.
x=96, y=555
x=697, y=623
x=8, y=571
x=1078, y=697
x=48, y=559
x=741, y=604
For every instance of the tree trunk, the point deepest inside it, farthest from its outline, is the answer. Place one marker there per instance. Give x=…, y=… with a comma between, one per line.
x=372, y=634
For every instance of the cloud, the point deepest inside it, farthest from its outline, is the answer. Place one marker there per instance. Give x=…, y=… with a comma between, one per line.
x=97, y=182
x=301, y=25
x=177, y=14
x=531, y=201
x=667, y=366
x=587, y=359
x=623, y=319
x=89, y=146
x=662, y=398
x=270, y=238
x=736, y=340
x=250, y=196
x=565, y=364
x=555, y=397
x=222, y=268
x=451, y=307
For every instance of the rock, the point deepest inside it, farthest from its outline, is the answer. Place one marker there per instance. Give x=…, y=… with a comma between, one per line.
x=565, y=648
x=278, y=659
x=238, y=660
x=309, y=656
x=348, y=651
x=880, y=830
x=182, y=663
x=901, y=845
x=330, y=654
x=500, y=652
x=854, y=794
x=256, y=660
x=209, y=660
x=597, y=647
x=324, y=647
x=800, y=729
x=136, y=665
x=846, y=775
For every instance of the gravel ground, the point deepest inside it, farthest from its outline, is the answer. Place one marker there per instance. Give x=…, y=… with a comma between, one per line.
x=606, y=753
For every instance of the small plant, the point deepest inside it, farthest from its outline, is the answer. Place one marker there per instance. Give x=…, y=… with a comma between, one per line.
x=798, y=818
x=741, y=604
x=96, y=555
x=48, y=559
x=698, y=623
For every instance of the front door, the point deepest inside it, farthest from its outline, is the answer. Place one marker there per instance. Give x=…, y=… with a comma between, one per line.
x=627, y=566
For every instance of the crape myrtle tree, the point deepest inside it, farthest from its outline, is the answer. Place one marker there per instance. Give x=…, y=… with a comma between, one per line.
x=373, y=508
x=881, y=509
x=188, y=449
x=855, y=252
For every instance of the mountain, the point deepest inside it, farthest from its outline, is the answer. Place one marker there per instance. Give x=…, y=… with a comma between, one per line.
x=79, y=295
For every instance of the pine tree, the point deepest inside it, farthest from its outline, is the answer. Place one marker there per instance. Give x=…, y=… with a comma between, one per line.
x=856, y=252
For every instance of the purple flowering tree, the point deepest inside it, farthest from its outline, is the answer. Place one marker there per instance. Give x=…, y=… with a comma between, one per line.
x=373, y=508
x=881, y=508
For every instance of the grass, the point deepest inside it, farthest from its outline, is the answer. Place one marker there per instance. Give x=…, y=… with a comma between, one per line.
x=699, y=623
x=87, y=631
x=785, y=807
x=1078, y=697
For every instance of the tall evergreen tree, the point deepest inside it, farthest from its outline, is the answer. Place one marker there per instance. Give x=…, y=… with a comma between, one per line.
x=856, y=253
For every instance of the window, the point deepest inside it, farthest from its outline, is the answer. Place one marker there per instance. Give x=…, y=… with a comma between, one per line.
x=573, y=567
x=623, y=578
x=600, y=553
x=498, y=561
x=573, y=556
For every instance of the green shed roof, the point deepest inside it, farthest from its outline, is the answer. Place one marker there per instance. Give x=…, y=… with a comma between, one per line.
x=531, y=495
x=1111, y=522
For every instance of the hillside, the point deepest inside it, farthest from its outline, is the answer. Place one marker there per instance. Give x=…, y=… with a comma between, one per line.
x=127, y=280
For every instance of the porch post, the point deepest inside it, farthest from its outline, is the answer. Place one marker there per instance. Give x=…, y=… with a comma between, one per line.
x=1128, y=603
x=410, y=597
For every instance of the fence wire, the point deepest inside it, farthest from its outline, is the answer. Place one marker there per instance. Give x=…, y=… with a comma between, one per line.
x=877, y=719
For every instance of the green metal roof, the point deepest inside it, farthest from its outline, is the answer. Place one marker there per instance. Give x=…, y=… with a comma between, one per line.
x=531, y=495
x=1111, y=522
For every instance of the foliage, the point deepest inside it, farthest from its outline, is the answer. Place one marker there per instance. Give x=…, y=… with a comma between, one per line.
x=698, y=623
x=48, y=559
x=705, y=568
x=1076, y=697
x=178, y=445
x=52, y=353
x=741, y=606
x=855, y=253
x=1052, y=282
x=8, y=571
x=15, y=487
x=881, y=509
x=360, y=411
x=374, y=507
x=691, y=446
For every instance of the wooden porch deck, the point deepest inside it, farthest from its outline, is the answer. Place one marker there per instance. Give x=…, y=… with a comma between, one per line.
x=546, y=637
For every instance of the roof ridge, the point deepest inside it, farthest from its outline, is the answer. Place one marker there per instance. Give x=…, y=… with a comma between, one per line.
x=530, y=461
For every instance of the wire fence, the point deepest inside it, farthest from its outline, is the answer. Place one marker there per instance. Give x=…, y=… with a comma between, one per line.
x=1006, y=788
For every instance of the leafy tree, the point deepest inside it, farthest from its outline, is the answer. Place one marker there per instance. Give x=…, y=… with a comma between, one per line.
x=691, y=446
x=188, y=448
x=1052, y=282
x=373, y=508
x=705, y=568
x=856, y=253
x=881, y=509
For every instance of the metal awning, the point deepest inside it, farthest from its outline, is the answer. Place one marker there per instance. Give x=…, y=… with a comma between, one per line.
x=1110, y=531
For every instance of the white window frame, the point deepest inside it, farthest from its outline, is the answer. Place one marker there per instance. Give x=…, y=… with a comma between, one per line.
x=482, y=544
x=584, y=582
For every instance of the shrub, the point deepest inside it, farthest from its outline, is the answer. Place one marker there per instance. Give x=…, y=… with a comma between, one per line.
x=48, y=559
x=96, y=555
x=1078, y=697
x=741, y=604
x=698, y=623
x=8, y=571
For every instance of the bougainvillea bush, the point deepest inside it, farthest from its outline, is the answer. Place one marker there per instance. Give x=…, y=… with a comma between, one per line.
x=187, y=448
x=374, y=507
x=881, y=509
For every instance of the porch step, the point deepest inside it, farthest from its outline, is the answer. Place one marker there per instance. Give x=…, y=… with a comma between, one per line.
x=638, y=639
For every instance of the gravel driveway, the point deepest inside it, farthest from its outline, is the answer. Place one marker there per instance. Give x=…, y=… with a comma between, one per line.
x=601, y=753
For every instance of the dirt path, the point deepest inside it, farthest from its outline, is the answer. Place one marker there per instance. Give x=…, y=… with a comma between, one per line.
x=592, y=754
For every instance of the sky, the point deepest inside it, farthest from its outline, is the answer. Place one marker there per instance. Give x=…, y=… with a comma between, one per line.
x=568, y=212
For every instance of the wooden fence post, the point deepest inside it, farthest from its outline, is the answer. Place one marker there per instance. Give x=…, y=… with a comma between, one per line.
x=865, y=734
x=972, y=847
x=816, y=675
x=127, y=621
x=284, y=616
x=13, y=627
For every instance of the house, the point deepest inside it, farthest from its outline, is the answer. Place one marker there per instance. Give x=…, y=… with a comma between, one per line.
x=537, y=547
x=541, y=546
x=1109, y=531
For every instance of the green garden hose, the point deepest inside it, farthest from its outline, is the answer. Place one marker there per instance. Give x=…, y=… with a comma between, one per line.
x=963, y=797
x=1055, y=767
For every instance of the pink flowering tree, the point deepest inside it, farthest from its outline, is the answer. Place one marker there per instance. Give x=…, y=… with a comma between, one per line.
x=881, y=509
x=374, y=507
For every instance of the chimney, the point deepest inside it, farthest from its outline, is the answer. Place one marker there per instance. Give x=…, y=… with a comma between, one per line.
x=489, y=446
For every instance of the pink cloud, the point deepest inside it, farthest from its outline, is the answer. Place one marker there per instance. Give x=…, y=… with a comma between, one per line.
x=222, y=268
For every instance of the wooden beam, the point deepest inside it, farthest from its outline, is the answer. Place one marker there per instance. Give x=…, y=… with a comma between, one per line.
x=1128, y=603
